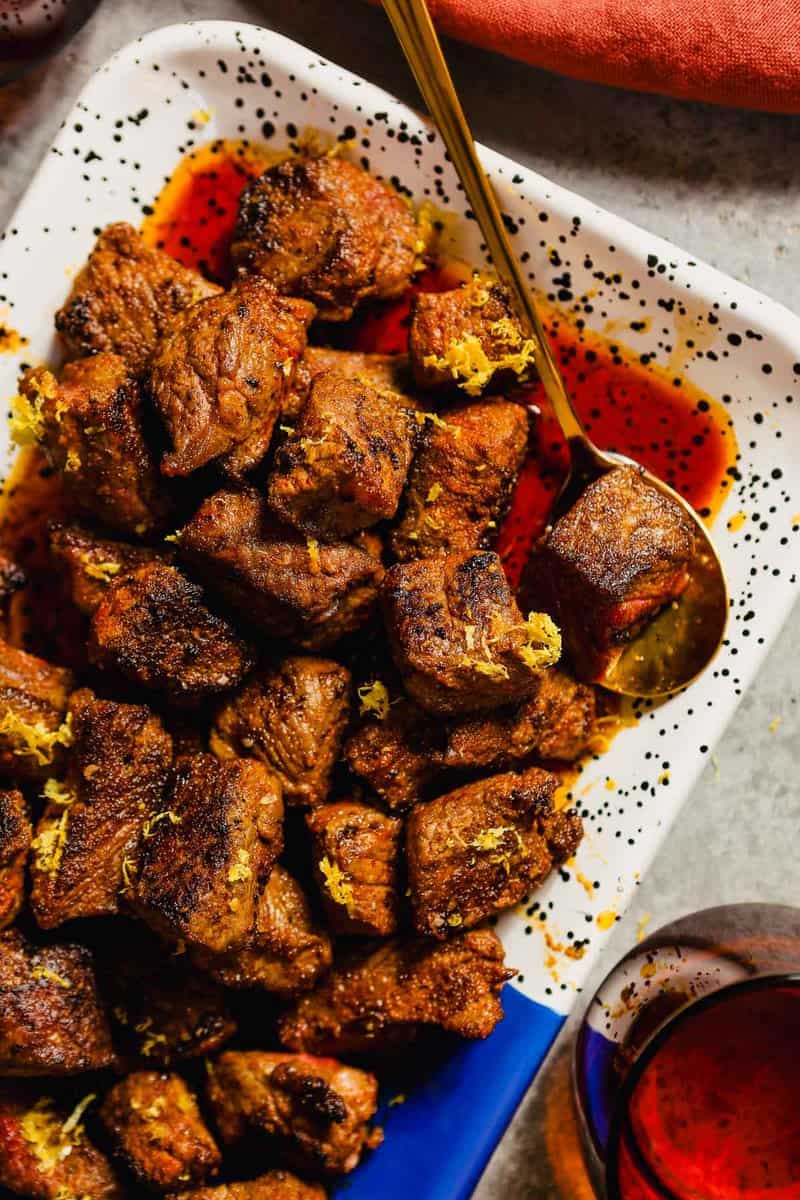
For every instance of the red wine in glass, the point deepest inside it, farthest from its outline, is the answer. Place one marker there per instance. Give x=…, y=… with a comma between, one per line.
x=32, y=30
x=687, y=1065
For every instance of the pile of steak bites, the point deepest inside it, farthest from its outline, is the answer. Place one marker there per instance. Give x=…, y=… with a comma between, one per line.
x=253, y=836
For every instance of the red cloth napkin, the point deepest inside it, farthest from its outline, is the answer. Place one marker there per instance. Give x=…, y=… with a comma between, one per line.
x=738, y=52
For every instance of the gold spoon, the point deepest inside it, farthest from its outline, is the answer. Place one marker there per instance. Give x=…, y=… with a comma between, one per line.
x=674, y=648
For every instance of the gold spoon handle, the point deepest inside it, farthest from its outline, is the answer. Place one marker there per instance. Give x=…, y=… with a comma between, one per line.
x=415, y=32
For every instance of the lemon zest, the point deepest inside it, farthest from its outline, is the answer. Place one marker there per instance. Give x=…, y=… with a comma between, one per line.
x=374, y=698
x=49, y=844
x=470, y=366
x=102, y=571
x=57, y=792
x=241, y=868
x=45, y=973
x=313, y=555
x=434, y=493
x=36, y=740
x=149, y=827
x=434, y=419
x=492, y=670
x=337, y=884
x=542, y=647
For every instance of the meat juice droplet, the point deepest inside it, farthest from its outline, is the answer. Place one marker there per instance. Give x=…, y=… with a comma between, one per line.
x=676, y=431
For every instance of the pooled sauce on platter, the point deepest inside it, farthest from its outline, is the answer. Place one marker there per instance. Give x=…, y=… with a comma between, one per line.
x=663, y=421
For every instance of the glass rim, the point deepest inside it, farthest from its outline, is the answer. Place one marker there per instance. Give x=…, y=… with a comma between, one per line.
x=648, y=1052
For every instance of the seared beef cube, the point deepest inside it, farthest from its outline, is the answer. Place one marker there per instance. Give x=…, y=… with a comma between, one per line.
x=312, y=1112
x=275, y=1185
x=461, y=480
x=379, y=1000
x=291, y=717
x=469, y=336
x=45, y=1153
x=90, y=425
x=325, y=229
x=356, y=858
x=87, y=841
x=457, y=635
x=153, y=627
x=219, y=375
x=344, y=466
x=609, y=565
x=157, y=1131
x=165, y=1010
x=33, y=704
x=124, y=296
x=480, y=849
x=52, y=1021
x=285, y=952
x=285, y=584
x=386, y=373
x=556, y=721
x=91, y=563
x=15, y=842
x=397, y=756
x=204, y=857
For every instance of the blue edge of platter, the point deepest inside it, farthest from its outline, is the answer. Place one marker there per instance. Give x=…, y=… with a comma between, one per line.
x=443, y=1126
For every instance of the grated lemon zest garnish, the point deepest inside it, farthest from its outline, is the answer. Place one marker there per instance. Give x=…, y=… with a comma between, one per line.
x=313, y=555
x=102, y=571
x=374, y=698
x=240, y=869
x=149, y=827
x=48, y=845
x=53, y=976
x=542, y=647
x=37, y=741
x=337, y=884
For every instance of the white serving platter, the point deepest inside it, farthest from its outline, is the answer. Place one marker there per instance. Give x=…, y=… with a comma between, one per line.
x=132, y=123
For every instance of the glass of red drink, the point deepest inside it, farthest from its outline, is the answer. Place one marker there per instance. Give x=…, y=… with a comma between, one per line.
x=687, y=1065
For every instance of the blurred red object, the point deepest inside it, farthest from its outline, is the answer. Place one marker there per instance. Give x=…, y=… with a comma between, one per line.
x=32, y=30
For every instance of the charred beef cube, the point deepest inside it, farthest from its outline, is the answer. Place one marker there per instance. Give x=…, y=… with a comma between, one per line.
x=204, y=857
x=470, y=337
x=44, y=1151
x=15, y=842
x=325, y=229
x=285, y=952
x=356, y=859
x=397, y=756
x=34, y=730
x=480, y=849
x=457, y=635
x=555, y=722
x=158, y=1133
x=219, y=375
x=312, y=1112
x=52, y=1021
x=344, y=466
x=124, y=296
x=87, y=840
x=389, y=374
x=609, y=565
x=164, y=1010
x=275, y=1185
x=283, y=583
x=91, y=563
x=461, y=480
x=153, y=627
x=379, y=1000
x=90, y=424
x=292, y=718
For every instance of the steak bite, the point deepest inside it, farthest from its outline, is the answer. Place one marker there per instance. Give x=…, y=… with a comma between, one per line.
x=91, y=563
x=457, y=635
x=326, y=229
x=34, y=729
x=291, y=717
x=397, y=756
x=15, y=842
x=52, y=1021
x=90, y=424
x=480, y=849
x=344, y=466
x=157, y=1131
x=285, y=952
x=311, y=1112
x=124, y=296
x=356, y=859
x=379, y=999
x=275, y=1185
x=86, y=848
x=220, y=373
x=153, y=627
x=204, y=857
x=469, y=336
x=609, y=565
x=461, y=480
x=285, y=584
x=45, y=1153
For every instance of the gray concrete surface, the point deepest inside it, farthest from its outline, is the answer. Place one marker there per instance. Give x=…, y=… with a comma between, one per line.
x=721, y=183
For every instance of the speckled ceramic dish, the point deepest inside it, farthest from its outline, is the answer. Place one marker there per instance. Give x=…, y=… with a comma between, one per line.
x=134, y=120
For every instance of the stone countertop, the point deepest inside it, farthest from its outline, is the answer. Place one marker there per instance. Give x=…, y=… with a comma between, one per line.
x=721, y=183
